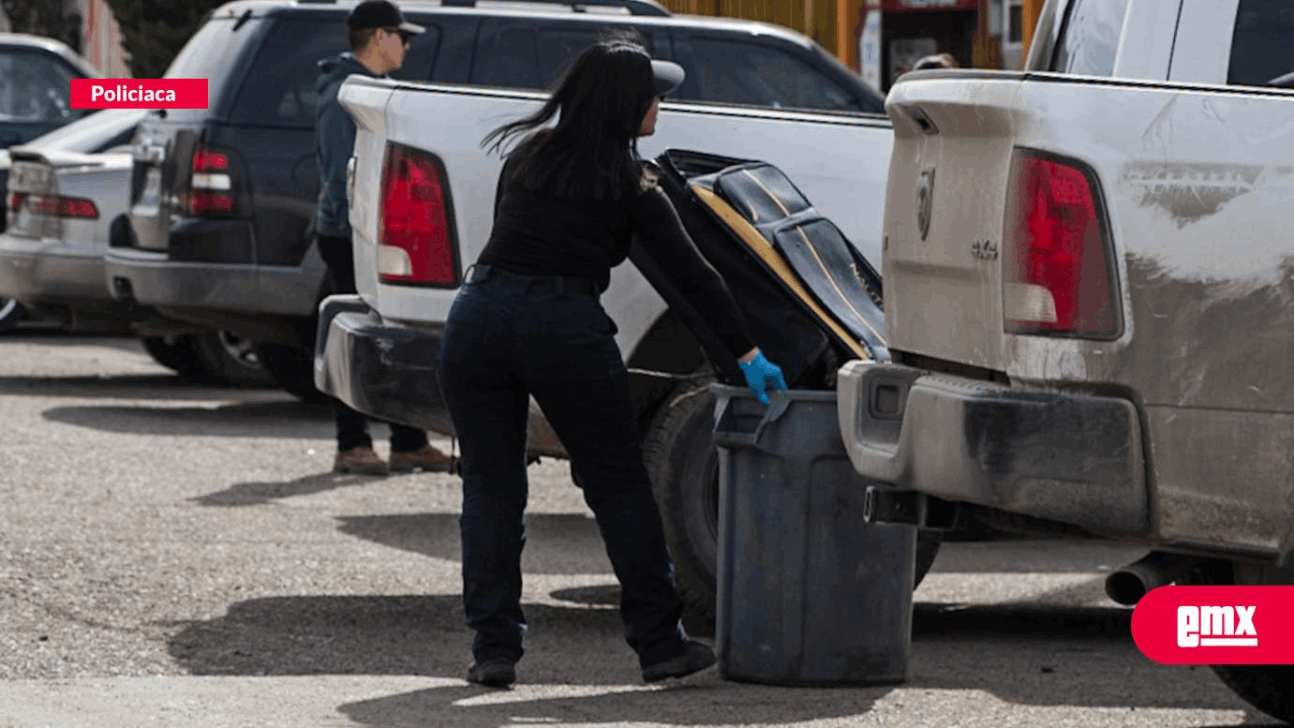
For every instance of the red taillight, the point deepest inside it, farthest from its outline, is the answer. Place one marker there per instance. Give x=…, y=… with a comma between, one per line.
x=54, y=205
x=1057, y=276
x=211, y=185
x=205, y=160
x=204, y=201
x=415, y=239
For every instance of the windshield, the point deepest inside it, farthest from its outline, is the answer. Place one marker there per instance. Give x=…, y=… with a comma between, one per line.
x=35, y=87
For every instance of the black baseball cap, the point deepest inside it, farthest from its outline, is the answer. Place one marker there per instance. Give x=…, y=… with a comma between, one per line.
x=381, y=14
x=668, y=76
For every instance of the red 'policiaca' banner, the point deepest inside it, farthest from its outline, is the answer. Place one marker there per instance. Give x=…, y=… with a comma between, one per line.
x=139, y=93
x=1216, y=625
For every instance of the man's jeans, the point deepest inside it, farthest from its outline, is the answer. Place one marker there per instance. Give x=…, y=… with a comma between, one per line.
x=509, y=337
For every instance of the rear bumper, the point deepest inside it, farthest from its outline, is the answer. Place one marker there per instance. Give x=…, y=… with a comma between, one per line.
x=151, y=278
x=1072, y=458
x=388, y=372
x=43, y=271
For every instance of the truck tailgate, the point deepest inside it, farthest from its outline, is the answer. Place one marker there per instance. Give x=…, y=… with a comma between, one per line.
x=943, y=216
x=1192, y=184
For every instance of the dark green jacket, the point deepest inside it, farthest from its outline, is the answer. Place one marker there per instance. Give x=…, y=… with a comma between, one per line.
x=334, y=144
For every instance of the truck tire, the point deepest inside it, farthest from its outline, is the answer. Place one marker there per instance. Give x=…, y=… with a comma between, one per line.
x=683, y=464
x=292, y=369
x=11, y=312
x=176, y=352
x=227, y=358
x=1269, y=688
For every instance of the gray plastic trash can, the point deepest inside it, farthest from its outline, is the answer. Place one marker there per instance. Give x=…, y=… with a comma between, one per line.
x=809, y=594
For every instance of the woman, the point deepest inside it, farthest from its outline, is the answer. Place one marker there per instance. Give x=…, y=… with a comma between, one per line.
x=528, y=322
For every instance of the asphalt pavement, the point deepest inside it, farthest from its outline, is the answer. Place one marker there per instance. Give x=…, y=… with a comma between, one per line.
x=177, y=555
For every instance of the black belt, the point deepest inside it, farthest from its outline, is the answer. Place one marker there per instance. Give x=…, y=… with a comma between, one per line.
x=545, y=284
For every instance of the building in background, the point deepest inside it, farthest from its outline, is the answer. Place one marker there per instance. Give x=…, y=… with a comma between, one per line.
x=910, y=30
x=101, y=39
x=87, y=26
x=880, y=39
x=832, y=23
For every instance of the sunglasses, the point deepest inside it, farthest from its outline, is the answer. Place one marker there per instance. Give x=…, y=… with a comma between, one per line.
x=405, y=36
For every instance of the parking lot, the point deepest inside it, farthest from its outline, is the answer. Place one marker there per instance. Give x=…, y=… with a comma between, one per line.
x=180, y=556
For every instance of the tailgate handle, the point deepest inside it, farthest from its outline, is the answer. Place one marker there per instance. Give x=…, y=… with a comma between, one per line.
x=923, y=121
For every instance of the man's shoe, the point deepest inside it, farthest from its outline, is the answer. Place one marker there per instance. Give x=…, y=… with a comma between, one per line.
x=695, y=658
x=496, y=672
x=426, y=457
x=359, y=460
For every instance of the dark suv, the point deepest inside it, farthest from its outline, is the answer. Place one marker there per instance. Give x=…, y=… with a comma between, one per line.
x=222, y=199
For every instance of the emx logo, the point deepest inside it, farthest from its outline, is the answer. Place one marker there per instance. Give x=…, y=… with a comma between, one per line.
x=1216, y=625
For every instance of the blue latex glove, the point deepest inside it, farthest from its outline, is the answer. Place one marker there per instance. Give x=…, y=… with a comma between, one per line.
x=762, y=374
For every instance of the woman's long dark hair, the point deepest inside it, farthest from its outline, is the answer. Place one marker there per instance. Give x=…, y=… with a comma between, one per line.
x=593, y=150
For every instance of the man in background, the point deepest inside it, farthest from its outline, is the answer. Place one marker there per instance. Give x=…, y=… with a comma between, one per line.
x=379, y=38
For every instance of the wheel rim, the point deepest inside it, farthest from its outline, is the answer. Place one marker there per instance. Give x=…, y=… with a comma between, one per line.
x=240, y=349
x=7, y=307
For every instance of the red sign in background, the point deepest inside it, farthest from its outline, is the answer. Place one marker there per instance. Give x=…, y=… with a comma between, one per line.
x=1216, y=625
x=139, y=93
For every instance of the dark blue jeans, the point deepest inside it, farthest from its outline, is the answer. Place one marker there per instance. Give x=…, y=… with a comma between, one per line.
x=509, y=337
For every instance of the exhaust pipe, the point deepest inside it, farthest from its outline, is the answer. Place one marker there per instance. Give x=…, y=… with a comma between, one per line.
x=1158, y=568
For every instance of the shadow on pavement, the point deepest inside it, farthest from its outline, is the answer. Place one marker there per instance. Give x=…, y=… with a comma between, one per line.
x=577, y=667
x=256, y=494
x=286, y=418
x=128, y=386
x=556, y=543
x=933, y=621
x=49, y=332
x=579, y=649
x=393, y=635
x=699, y=701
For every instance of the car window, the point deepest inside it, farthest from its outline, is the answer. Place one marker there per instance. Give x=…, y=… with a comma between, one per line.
x=557, y=47
x=1089, y=37
x=1262, y=46
x=213, y=53
x=35, y=87
x=280, y=88
x=213, y=48
x=721, y=71
x=515, y=56
x=510, y=59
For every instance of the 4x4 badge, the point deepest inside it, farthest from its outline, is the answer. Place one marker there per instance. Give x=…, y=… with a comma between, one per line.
x=925, y=200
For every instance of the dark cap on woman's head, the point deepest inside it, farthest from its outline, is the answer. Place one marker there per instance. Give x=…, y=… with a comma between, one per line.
x=380, y=14
x=667, y=76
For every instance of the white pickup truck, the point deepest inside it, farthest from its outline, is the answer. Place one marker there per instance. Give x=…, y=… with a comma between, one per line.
x=1090, y=295
x=376, y=350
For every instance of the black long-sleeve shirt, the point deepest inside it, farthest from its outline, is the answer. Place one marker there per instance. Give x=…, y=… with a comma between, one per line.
x=541, y=234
